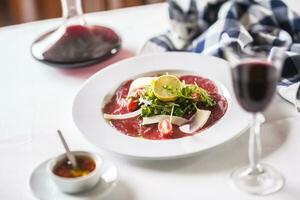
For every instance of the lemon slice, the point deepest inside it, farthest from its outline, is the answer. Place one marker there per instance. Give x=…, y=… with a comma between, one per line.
x=166, y=87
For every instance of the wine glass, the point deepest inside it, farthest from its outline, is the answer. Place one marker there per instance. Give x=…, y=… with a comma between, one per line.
x=75, y=43
x=255, y=72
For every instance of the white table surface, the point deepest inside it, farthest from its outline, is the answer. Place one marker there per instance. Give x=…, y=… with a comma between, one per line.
x=35, y=100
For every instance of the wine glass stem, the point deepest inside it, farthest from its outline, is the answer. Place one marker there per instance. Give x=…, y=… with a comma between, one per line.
x=72, y=9
x=255, y=143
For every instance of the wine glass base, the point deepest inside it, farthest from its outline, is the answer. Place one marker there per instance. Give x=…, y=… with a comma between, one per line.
x=264, y=181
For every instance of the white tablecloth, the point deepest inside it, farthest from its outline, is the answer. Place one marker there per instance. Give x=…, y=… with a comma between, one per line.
x=36, y=99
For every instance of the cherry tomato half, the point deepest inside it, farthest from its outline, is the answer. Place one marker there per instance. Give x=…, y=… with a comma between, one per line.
x=132, y=104
x=165, y=127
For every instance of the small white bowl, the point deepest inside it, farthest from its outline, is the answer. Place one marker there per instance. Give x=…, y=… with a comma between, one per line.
x=77, y=184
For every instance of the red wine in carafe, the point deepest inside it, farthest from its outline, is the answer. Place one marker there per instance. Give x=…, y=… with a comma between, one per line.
x=76, y=45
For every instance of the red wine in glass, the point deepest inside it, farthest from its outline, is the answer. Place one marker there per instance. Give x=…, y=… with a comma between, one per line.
x=254, y=84
x=255, y=72
x=74, y=43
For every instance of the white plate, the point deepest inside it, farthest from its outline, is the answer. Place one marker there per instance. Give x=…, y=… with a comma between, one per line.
x=44, y=188
x=88, y=103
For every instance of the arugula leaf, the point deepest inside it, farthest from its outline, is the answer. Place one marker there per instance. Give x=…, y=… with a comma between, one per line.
x=188, y=90
x=184, y=105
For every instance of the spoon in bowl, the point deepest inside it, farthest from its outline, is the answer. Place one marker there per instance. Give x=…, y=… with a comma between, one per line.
x=70, y=155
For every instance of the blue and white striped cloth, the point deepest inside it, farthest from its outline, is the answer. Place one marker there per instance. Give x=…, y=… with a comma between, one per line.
x=251, y=23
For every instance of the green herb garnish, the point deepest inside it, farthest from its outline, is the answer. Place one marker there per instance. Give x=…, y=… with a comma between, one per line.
x=184, y=105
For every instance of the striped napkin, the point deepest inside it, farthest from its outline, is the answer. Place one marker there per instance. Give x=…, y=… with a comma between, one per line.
x=263, y=24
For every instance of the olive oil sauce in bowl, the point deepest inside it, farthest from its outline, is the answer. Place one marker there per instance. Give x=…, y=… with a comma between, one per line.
x=74, y=180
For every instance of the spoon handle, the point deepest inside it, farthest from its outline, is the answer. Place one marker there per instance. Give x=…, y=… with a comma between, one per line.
x=70, y=156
